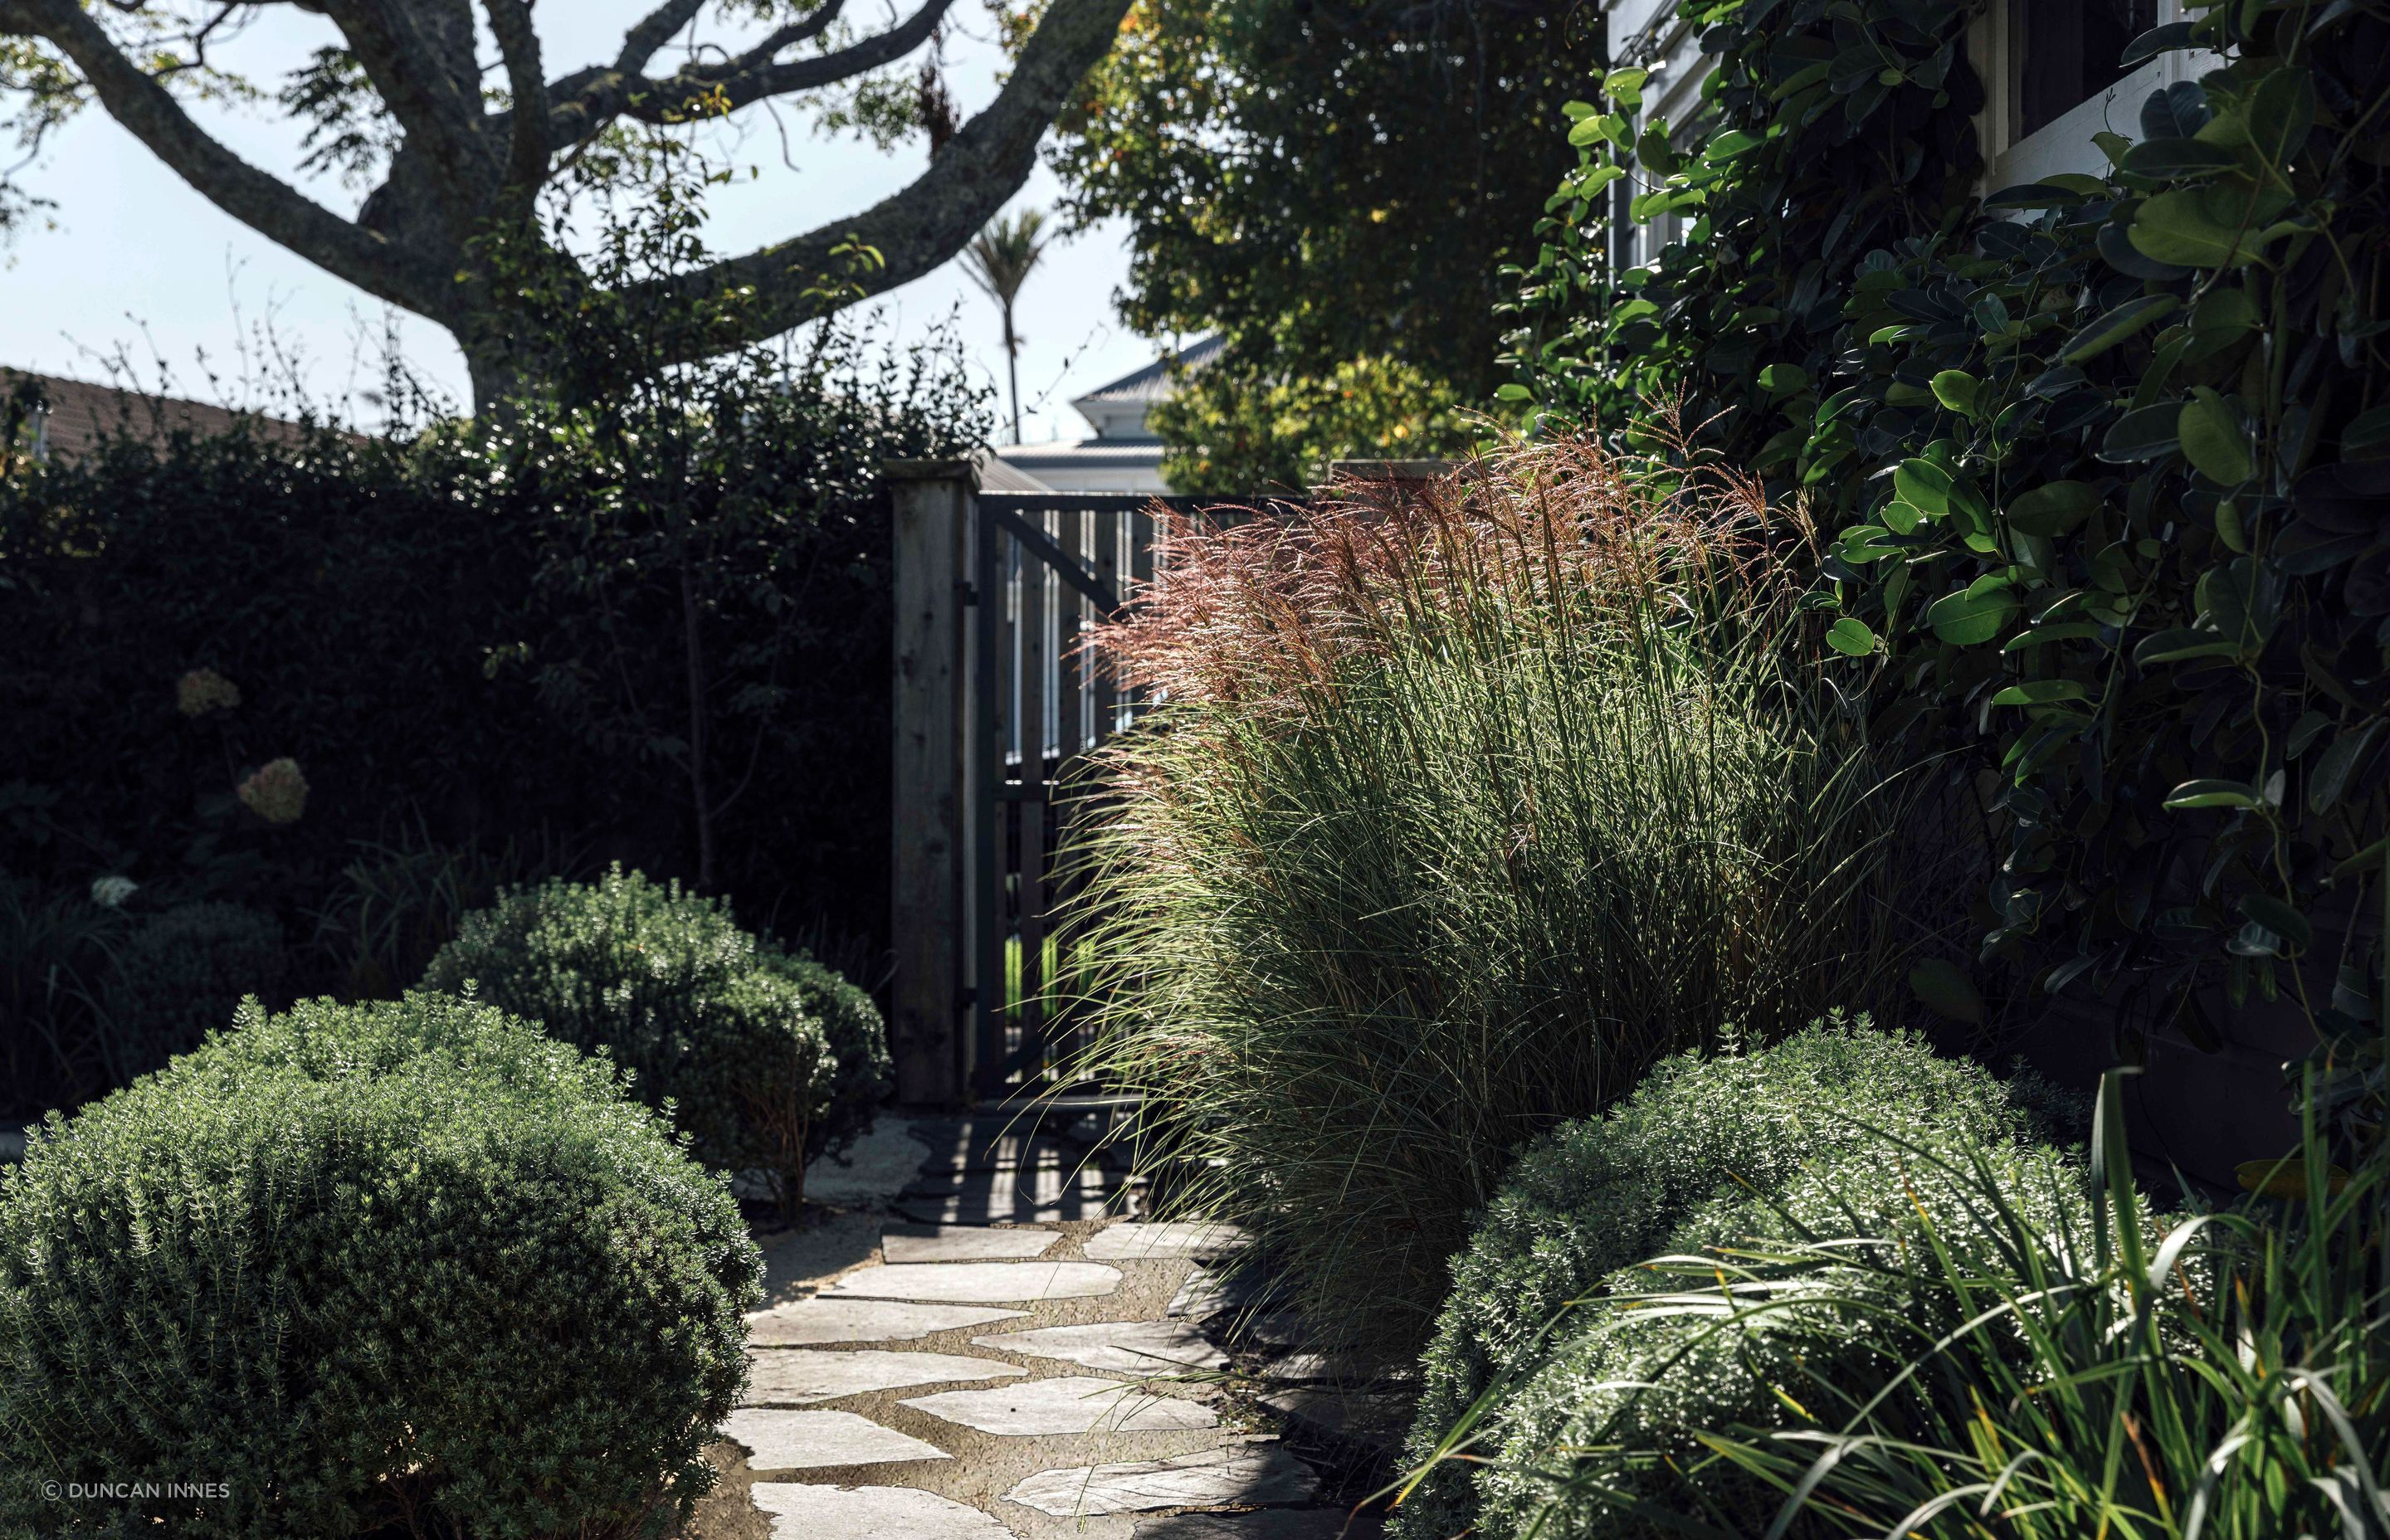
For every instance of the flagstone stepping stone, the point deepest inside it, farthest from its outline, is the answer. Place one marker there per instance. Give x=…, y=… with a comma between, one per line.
x=1268, y=1524
x=1124, y=1347
x=795, y=1376
x=979, y=1282
x=1339, y=1368
x=1256, y=1474
x=1374, y=1420
x=806, y=1441
x=961, y=1243
x=1073, y=1404
x=811, y=1323
x=1208, y=1292
x=1138, y=1243
x=974, y=1198
x=801, y=1512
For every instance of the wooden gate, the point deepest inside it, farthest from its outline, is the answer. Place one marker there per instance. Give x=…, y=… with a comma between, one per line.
x=996, y=707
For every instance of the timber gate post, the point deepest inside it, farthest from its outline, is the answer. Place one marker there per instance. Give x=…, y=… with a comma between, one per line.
x=930, y=1014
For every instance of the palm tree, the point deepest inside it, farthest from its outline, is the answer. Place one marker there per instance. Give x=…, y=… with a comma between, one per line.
x=999, y=259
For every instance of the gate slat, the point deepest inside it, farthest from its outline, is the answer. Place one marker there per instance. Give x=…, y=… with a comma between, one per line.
x=1036, y=661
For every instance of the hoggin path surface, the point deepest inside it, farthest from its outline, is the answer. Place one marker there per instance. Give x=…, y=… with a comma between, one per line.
x=1012, y=1383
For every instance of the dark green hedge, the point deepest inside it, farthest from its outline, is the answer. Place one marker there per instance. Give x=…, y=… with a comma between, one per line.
x=467, y=639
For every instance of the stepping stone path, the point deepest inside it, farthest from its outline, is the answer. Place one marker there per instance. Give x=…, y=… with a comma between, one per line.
x=1119, y=1347
x=979, y=1282
x=1015, y=1363
x=799, y=1376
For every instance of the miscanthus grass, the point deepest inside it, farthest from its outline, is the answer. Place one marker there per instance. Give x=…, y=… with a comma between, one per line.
x=1462, y=805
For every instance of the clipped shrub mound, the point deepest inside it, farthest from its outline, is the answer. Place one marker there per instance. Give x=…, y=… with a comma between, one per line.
x=768, y=1060
x=408, y=1263
x=180, y=975
x=1695, y=1156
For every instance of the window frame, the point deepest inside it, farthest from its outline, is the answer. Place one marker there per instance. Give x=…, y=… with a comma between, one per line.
x=2062, y=144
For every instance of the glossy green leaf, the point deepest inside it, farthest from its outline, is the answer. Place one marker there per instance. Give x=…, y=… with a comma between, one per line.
x=1922, y=485
x=2123, y=321
x=2181, y=646
x=2279, y=917
x=2281, y=112
x=2168, y=159
x=2041, y=692
x=2212, y=793
x=1851, y=636
x=1976, y=614
x=2212, y=438
x=2194, y=228
x=2052, y=508
x=2331, y=779
x=1957, y=390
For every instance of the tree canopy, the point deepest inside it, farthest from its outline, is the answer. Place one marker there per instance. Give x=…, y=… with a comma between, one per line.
x=444, y=112
x=1336, y=185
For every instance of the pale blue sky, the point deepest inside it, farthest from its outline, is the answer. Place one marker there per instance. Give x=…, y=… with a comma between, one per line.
x=138, y=261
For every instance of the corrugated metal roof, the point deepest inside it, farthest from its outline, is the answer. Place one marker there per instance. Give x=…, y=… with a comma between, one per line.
x=1152, y=382
x=999, y=474
x=1043, y=457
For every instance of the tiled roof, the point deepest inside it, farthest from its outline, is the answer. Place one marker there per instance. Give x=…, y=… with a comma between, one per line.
x=1152, y=382
x=81, y=414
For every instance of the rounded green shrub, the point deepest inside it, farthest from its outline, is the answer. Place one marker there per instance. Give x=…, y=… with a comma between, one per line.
x=1678, y=1163
x=767, y=1060
x=408, y=1266
x=180, y=974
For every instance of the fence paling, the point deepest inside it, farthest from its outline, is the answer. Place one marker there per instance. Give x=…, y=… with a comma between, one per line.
x=1046, y=567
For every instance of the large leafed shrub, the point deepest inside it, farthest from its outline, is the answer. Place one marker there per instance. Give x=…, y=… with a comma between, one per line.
x=768, y=1060
x=1464, y=804
x=2102, y=461
x=409, y=1264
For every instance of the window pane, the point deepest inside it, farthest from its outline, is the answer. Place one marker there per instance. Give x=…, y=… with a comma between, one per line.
x=2071, y=49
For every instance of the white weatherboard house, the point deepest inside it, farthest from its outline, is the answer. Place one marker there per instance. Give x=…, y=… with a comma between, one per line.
x=1123, y=456
x=2050, y=82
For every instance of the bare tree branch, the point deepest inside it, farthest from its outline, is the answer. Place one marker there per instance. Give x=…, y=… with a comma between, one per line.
x=756, y=74
x=923, y=225
x=639, y=45
x=420, y=55
x=264, y=203
x=519, y=47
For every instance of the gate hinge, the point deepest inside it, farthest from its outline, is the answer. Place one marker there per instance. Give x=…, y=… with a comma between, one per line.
x=970, y=592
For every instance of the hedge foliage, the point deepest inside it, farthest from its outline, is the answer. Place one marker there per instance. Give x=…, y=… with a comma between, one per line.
x=410, y=1264
x=2101, y=462
x=179, y=976
x=476, y=638
x=768, y=1060
x=1674, y=1166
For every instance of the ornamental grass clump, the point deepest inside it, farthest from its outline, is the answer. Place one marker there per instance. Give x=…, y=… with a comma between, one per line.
x=402, y=1268
x=766, y=1058
x=1462, y=804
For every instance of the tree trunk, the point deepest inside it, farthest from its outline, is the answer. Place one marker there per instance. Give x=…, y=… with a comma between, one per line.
x=1012, y=369
x=696, y=662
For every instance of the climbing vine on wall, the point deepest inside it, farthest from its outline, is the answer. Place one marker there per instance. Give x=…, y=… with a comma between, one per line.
x=2101, y=463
